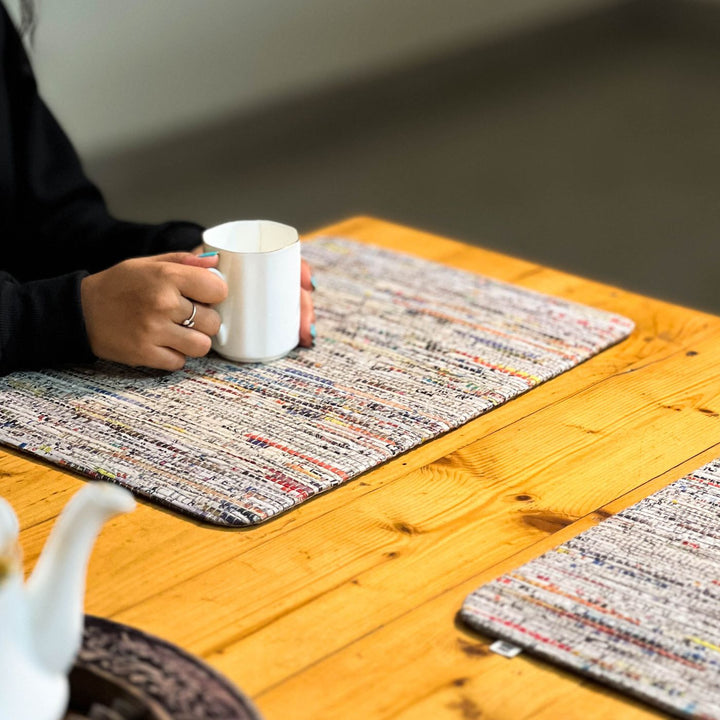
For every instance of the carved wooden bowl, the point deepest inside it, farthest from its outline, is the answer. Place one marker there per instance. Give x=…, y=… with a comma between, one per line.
x=122, y=673
x=96, y=695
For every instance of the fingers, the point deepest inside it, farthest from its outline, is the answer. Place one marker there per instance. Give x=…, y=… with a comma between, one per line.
x=194, y=257
x=164, y=358
x=307, y=319
x=174, y=257
x=194, y=341
x=206, y=319
x=187, y=272
x=200, y=259
x=197, y=283
x=188, y=341
x=188, y=316
x=196, y=289
x=307, y=311
x=306, y=277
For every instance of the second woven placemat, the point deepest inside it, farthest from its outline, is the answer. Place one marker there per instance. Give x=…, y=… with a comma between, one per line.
x=633, y=602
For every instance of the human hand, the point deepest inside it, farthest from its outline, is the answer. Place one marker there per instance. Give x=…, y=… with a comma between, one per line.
x=135, y=309
x=307, y=310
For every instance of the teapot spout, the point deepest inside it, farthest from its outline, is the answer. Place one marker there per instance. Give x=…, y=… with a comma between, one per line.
x=56, y=589
x=9, y=552
x=13, y=618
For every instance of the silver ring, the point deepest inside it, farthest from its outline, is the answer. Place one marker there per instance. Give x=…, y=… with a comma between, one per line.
x=190, y=322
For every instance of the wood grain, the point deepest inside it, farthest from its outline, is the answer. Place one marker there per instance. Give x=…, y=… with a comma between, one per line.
x=345, y=607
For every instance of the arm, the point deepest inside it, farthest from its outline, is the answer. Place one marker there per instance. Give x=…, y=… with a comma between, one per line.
x=51, y=205
x=54, y=226
x=41, y=322
x=63, y=295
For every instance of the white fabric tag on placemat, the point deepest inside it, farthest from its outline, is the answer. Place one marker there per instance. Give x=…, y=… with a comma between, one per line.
x=506, y=649
x=407, y=349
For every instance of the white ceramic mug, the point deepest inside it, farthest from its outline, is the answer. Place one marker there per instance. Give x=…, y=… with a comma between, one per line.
x=260, y=261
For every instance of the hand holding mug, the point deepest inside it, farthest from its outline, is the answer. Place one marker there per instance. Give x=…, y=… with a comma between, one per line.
x=134, y=311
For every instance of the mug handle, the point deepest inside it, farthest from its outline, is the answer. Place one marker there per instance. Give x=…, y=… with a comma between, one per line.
x=222, y=332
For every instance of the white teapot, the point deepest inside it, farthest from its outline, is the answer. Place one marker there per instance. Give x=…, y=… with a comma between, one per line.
x=41, y=622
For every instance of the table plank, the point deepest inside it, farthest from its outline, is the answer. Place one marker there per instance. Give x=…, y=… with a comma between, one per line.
x=344, y=607
x=424, y=664
x=585, y=441
x=515, y=484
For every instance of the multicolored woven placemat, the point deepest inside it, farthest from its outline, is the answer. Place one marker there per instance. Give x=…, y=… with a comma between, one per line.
x=407, y=349
x=633, y=602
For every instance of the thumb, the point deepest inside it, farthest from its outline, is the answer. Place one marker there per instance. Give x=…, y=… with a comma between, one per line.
x=187, y=258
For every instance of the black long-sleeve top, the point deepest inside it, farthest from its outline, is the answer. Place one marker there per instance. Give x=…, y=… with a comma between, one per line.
x=54, y=226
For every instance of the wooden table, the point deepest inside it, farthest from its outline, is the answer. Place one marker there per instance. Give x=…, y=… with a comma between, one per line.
x=345, y=607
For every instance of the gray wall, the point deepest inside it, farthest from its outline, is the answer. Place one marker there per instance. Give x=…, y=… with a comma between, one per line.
x=122, y=72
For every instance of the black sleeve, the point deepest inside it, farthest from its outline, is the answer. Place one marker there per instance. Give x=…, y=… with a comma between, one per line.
x=41, y=323
x=54, y=225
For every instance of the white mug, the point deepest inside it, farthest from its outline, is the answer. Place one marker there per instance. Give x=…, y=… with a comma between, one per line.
x=260, y=262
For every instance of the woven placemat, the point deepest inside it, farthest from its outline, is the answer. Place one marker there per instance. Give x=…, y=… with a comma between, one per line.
x=407, y=350
x=633, y=602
